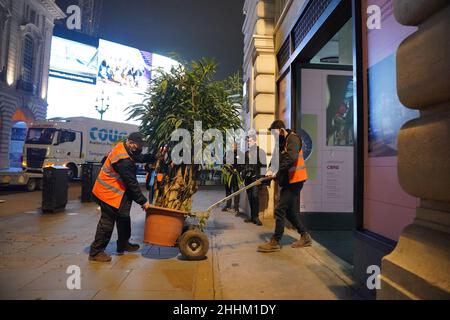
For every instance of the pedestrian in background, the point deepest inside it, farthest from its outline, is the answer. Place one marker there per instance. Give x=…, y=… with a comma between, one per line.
x=254, y=169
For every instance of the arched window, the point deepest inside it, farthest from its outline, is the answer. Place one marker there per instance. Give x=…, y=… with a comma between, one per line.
x=28, y=59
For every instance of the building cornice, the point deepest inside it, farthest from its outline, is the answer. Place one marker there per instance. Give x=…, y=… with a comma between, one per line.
x=53, y=9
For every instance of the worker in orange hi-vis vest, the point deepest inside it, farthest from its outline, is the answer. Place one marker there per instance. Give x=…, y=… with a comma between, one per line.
x=115, y=189
x=291, y=176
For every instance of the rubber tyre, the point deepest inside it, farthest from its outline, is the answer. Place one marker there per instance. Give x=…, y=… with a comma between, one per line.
x=31, y=185
x=73, y=172
x=194, y=244
x=189, y=227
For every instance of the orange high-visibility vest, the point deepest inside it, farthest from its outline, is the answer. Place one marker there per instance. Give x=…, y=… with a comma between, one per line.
x=297, y=173
x=109, y=187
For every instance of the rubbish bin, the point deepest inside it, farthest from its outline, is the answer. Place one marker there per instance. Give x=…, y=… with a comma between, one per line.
x=55, y=188
x=89, y=173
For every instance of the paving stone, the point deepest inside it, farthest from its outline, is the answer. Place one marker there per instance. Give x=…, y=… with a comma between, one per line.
x=91, y=279
x=36, y=249
x=163, y=279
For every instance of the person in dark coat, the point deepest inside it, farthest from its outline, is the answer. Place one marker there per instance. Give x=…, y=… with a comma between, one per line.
x=254, y=169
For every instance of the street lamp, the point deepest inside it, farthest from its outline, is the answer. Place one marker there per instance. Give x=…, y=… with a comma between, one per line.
x=103, y=108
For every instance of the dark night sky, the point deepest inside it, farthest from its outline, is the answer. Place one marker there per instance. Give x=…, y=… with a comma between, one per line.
x=191, y=28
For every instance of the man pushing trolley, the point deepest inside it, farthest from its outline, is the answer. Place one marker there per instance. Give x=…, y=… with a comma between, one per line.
x=291, y=176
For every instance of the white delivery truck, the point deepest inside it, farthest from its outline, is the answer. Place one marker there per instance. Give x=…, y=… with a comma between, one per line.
x=70, y=142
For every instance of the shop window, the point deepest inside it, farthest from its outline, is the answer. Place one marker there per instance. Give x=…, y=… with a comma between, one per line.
x=284, y=53
x=339, y=50
x=307, y=20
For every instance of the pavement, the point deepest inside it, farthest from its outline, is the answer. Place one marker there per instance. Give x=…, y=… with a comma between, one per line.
x=37, y=249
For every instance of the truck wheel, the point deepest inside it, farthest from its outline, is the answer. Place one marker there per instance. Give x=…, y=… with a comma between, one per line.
x=194, y=244
x=31, y=185
x=73, y=172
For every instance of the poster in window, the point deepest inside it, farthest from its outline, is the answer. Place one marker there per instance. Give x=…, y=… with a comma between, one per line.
x=340, y=111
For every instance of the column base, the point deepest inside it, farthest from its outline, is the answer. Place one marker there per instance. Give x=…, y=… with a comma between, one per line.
x=418, y=268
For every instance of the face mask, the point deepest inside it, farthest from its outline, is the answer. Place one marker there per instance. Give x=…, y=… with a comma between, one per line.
x=137, y=152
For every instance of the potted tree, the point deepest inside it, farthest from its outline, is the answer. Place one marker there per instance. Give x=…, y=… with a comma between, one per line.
x=176, y=99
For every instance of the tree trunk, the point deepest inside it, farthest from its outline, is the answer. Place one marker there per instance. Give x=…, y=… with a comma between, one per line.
x=177, y=192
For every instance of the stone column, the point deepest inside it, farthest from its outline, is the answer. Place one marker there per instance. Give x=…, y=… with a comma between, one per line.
x=419, y=266
x=260, y=69
x=47, y=41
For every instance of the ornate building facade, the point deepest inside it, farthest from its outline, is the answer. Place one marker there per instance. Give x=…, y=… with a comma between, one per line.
x=365, y=79
x=26, y=28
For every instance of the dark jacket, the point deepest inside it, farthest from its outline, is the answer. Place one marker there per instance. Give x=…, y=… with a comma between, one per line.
x=252, y=169
x=127, y=169
x=238, y=159
x=287, y=156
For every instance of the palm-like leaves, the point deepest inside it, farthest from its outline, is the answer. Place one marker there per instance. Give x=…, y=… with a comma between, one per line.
x=183, y=95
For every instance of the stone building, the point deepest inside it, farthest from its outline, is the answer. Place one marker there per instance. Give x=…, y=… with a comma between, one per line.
x=366, y=81
x=26, y=28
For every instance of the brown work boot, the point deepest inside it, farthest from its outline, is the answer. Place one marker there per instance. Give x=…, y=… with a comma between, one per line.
x=271, y=246
x=100, y=257
x=130, y=247
x=304, y=241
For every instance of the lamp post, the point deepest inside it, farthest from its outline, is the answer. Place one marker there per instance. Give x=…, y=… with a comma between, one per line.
x=103, y=108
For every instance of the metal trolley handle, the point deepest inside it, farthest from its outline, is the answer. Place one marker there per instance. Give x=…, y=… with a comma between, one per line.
x=206, y=214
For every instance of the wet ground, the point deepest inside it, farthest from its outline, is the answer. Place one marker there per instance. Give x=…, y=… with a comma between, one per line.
x=36, y=250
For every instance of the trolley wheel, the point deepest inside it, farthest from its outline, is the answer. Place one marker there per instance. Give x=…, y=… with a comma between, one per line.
x=194, y=244
x=189, y=227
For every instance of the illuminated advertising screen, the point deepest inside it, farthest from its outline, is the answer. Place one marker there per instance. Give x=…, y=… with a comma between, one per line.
x=73, y=61
x=84, y=77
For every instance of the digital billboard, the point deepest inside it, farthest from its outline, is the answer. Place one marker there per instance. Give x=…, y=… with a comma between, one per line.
x=82, y=75
x=73, y=61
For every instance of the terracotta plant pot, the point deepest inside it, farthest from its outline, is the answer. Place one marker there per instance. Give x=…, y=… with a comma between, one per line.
x=163, y=226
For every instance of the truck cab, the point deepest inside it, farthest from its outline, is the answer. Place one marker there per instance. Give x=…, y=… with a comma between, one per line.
x=53, y=144
x=71, y=142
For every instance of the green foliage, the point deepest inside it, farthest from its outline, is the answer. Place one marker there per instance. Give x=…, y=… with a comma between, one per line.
x=175, y=100
x=185, y=94
x=228, y=172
